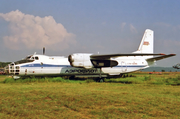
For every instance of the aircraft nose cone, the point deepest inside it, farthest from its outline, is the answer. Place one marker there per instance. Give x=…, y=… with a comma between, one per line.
x=12, y=69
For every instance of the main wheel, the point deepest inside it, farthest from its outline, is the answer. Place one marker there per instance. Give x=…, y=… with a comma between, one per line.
x=100, y=80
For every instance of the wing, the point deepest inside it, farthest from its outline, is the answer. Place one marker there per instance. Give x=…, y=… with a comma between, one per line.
x=105, y=61
x=108, y=56
x=160, y=57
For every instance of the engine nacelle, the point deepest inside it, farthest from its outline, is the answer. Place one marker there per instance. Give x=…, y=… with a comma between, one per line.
x=80, y=60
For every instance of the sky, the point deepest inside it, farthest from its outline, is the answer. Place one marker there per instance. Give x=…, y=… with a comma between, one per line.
x=65, y=27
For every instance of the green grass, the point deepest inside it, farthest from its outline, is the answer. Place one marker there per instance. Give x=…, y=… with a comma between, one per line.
x=30, y=80
x=143, y=96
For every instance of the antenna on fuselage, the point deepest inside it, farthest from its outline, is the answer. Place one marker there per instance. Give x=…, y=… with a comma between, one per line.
x=43, y=50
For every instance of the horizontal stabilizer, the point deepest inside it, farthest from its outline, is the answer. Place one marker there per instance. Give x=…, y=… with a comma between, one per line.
x=160, y=57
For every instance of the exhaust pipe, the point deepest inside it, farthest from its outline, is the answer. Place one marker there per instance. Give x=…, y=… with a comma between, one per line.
x=43, y=50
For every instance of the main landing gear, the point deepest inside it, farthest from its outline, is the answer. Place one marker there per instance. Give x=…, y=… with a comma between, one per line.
x=100, y=79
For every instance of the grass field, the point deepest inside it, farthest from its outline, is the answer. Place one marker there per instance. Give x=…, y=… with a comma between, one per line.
x=142, y=96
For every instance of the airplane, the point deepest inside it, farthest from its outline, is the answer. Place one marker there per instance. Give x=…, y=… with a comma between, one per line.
x=97, y=66
x=177, y=66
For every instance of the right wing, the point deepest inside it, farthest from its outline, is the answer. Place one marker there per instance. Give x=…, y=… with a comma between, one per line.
x=108, y=56
x=105, y=60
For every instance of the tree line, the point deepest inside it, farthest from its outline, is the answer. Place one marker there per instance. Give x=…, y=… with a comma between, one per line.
x=3, y=64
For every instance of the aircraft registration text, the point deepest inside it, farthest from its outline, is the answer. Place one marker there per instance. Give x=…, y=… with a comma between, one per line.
x=82, y=71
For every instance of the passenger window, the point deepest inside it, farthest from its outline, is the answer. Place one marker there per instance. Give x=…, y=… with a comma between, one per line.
x=36, y=58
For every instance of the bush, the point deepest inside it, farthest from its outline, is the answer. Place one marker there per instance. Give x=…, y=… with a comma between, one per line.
x=33, y=79
x=89, y=80
x=9, y=80
x=173, y=81
x=146, y=78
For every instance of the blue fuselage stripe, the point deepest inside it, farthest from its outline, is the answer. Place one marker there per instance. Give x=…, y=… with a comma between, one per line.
x=50, y=65
x=44, y=65
x=130, y=66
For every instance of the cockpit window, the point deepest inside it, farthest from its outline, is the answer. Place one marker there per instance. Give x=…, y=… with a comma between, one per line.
x=23, y=61
x=29, y=57
x=26, y=60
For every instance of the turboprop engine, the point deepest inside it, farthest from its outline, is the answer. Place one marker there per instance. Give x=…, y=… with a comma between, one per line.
x=80, y=60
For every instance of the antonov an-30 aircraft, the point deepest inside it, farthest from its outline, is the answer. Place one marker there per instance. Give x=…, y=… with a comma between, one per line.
x=88, y=65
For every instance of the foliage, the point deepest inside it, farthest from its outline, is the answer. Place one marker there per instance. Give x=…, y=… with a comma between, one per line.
x=90, y=80
x=33, y=79
x=134, y=79
x=173, y=81
x=3, y=64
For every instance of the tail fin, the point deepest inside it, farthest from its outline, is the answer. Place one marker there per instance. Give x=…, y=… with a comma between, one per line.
x=147, y=42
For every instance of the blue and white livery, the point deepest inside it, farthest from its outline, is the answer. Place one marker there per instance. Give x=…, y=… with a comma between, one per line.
x=89, y=65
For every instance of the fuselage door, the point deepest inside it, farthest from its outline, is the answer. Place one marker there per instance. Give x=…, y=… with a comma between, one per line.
x=123, y=66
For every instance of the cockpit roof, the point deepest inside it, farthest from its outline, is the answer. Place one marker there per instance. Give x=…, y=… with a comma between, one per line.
x=31, y=58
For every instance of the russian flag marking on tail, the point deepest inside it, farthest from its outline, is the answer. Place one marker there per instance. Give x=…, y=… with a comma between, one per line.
x=146, y=43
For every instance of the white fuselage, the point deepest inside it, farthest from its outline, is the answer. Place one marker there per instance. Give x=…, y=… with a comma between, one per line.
x=41, y=65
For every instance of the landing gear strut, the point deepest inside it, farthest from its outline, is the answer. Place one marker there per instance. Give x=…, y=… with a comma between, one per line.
x=100, y=79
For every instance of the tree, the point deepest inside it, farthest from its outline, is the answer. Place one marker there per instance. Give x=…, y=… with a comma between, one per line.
x=3, y=64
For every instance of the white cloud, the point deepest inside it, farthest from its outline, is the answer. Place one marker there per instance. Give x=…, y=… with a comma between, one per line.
x=34, y=32
x=170, y=46
x=123, y=25
x=132, y=28
x=128, y=27
x=162, y=24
